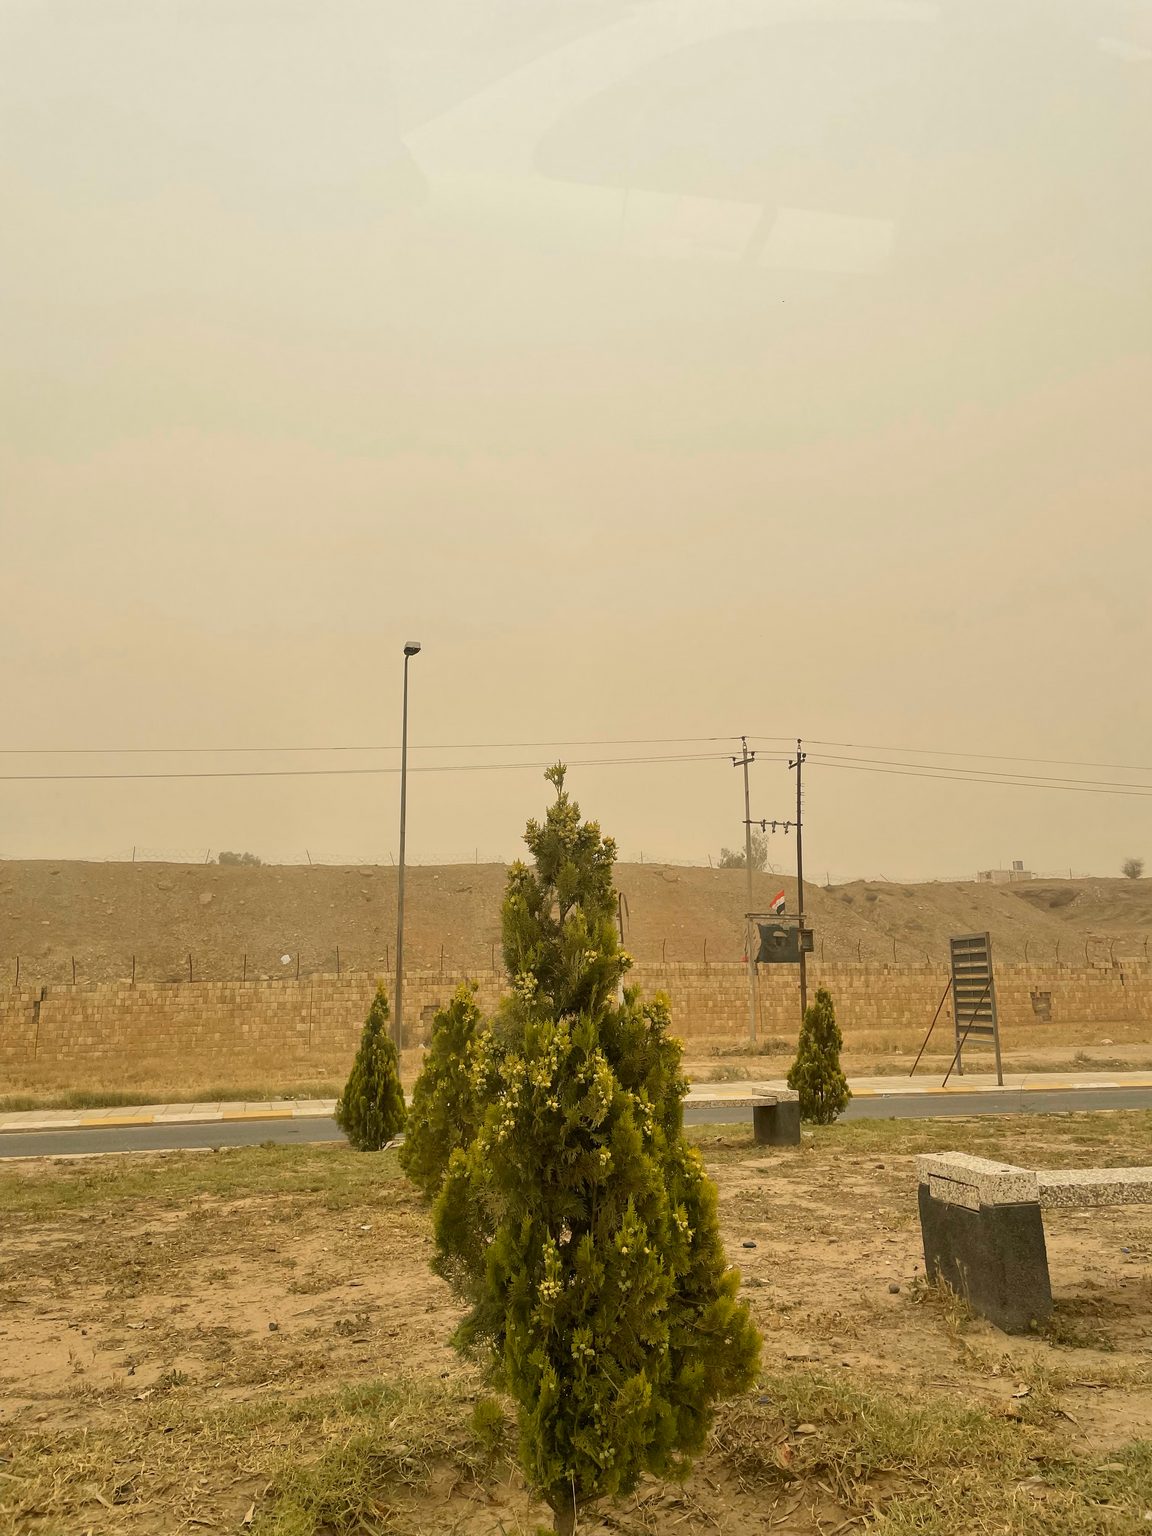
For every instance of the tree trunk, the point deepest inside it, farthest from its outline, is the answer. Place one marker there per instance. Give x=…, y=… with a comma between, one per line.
x=564, y=1520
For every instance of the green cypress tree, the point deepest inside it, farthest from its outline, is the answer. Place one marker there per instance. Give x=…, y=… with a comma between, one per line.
x=579, y=1226
x=371, y=1109
x=816, y=1073
x=443, y=1115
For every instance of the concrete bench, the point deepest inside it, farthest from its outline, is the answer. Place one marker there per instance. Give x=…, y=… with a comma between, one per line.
x=775, y=1116
x=983, y=1227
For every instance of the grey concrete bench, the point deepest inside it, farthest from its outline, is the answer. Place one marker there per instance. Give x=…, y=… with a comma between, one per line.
x=775, y=1116
x=983, y=1227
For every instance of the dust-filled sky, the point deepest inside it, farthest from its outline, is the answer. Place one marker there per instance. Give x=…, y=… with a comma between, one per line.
x=669, y=370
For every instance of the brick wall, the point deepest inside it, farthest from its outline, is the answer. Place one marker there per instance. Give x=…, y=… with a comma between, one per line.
x=217, y=1026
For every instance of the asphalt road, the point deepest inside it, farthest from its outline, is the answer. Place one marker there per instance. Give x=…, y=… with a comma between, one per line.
x=249, y=1133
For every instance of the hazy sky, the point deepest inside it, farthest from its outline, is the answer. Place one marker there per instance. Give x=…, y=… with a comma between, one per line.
x=669, y=369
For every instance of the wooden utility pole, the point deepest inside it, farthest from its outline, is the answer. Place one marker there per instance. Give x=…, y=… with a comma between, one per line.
x=743, y=761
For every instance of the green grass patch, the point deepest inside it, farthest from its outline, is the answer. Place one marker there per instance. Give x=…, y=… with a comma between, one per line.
x=118, y=1098
x=341, y=1462
x=934, y=1467
x=342, y=1177
x=1113, y=1138
x=1110, y=1137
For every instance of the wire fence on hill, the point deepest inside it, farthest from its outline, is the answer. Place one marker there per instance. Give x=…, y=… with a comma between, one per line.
x=84, y=966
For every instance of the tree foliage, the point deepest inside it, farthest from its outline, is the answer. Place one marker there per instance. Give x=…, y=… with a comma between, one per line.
x=579, y=1227
x=1133, y=868
x=443, y=1115
x=736, y=858
x=371, y=1109
x=816, y=1074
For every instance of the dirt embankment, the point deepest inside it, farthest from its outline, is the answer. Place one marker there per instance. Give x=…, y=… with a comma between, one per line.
x=236, y=920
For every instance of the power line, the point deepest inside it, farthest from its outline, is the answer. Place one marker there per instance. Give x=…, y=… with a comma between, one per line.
x=308, y=773
x=921, y=773
x=428, y=746
x=605, y=741
x=979, y=775
x=999, y=757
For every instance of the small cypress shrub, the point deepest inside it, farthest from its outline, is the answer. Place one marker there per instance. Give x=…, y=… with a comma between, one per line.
x=443, y=1115
x=371, y=1109
x=578, y=1225
x=816, y=1073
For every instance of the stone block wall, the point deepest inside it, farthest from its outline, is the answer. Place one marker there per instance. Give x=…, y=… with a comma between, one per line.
x=220, y=1026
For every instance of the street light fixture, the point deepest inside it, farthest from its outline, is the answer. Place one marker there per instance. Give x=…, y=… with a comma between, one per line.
x=411, y=648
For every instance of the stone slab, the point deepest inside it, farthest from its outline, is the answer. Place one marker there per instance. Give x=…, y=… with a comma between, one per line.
x=742, y=1101
x=958, y=1178
x=1094, y=1186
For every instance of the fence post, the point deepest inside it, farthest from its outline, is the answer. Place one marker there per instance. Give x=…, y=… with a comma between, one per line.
x=73, y=970
x=297, y=965
x=189, y=965
x=133, y=970
x=337, y=960
x=244, y=970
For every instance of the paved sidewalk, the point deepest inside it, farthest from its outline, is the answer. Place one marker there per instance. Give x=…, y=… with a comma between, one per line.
x=298, y=1109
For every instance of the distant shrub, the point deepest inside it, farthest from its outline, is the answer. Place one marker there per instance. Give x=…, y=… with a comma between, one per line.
x=735, y=858
x=371, y=1109
x=1133, y=868
x=238, y=858
x=816, y=1074
x=444, y=1112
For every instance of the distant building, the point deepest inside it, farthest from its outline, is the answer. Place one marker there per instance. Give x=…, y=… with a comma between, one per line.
x=1004, y=876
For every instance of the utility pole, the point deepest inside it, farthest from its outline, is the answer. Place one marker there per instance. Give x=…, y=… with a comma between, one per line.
x=799, y=767
x=743, y=761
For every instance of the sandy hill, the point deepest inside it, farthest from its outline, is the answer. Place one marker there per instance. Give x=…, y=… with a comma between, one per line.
x=237, y=920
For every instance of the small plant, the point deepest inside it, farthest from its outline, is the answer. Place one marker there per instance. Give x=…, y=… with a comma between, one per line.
x=489, y=1425
x=443, y=1114
x=371, y=1109
x=728, y=1072
x=816, y=1073
x=1132, y=868
x=238, y=858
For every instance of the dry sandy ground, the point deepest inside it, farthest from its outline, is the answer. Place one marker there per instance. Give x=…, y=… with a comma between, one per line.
x=182, y=1342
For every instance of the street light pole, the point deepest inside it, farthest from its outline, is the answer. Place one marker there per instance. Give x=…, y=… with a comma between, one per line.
x=411, y=648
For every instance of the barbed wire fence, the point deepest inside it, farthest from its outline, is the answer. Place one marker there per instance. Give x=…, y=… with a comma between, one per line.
x=83, y=966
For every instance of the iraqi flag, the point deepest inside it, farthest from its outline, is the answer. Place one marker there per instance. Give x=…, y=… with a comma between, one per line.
x=776, y=905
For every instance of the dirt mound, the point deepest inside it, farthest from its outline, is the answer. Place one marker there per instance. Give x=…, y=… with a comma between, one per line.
x=245, y=921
